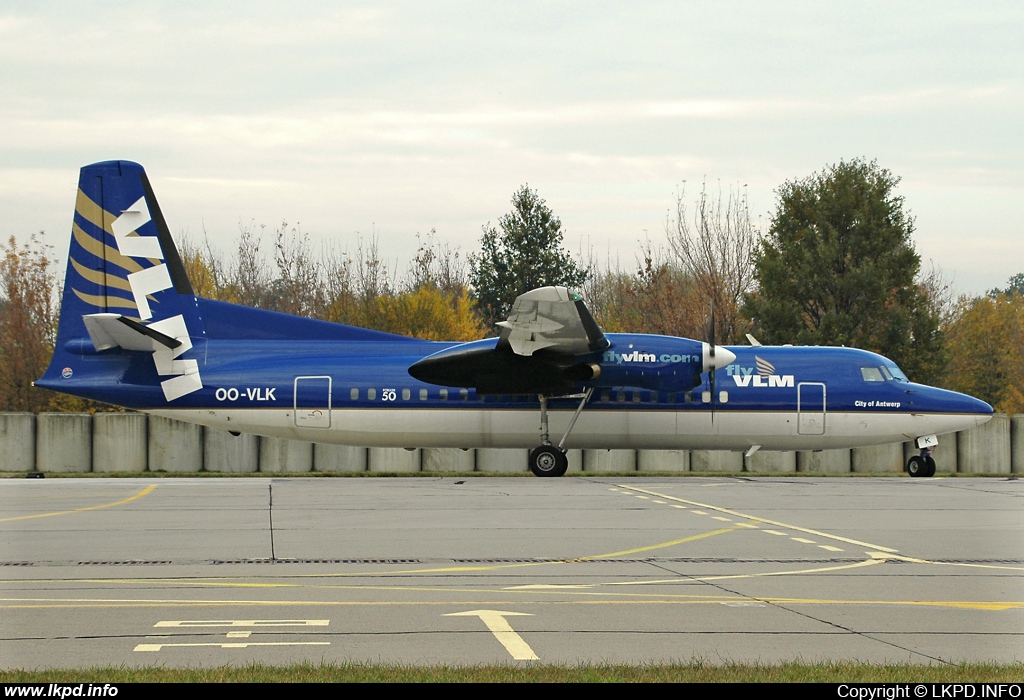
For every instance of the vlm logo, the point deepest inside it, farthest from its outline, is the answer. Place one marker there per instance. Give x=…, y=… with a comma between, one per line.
x=148, y=281
x=765, y=377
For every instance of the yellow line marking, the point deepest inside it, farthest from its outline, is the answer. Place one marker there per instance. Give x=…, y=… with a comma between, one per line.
x=144, y=492
x=657, y=546
x=675, y=505
x=726, y=511
x=830, y=548
x=801, y=539
x=775, y=532
x=699, y=512
x=719, y=517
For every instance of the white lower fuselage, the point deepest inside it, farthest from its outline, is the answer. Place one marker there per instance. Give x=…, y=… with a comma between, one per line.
x=595, y=429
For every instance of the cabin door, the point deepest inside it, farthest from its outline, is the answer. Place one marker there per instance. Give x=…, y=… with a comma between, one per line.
x=810, y=408
x=313, y=402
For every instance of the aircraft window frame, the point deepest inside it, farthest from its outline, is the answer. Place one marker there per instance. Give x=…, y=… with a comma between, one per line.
x=353, y=394
x=886, y=373
x=406, y=394
x=898, y=374
x=871, y=375
x=443, y=394
x=423, y=394
x=636, y=397
x=463, y=394
x=620, y=397
x=654, y=396
x=371, y=394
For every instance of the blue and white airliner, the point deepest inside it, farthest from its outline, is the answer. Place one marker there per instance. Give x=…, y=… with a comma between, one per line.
x=133, y=333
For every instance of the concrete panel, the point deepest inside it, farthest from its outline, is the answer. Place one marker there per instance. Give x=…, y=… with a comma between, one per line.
x=1017, y=443
x=575, y=460
x=765, y=462
x=232, y=454
x=338, y=458
x=17, y=442
x=448, y=459
x=985, y=449
x=507, y=460
x=878, y=459
x=120, y=442
x=609, y=460
x=393, y=459
x=663, y=460
x=944, y=454
x=174, y=446
x=64, y=442
x=823, y=462
x=282, y=455
x=716, y=461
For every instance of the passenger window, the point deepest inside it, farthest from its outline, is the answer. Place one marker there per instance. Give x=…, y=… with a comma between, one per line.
x=871, y=374
x=463, y=394
x=443, y=394
x=371, y=394
x=406, y=394
x=354, y=394
x=423, y=394
x=605, y=398
x=636, y=397
x=620, y=396
x=688, y=397
x=671, y=397
x=654, y=397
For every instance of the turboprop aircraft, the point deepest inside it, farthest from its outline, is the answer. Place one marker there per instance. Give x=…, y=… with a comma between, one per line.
x=133, y=333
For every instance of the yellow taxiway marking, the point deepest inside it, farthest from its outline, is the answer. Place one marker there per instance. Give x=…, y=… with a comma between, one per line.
x=661, y=545
x=231, y=645
x=144, y=492
x=726, y=511
x=830, y=548
x=803, y=540
x=502, y=631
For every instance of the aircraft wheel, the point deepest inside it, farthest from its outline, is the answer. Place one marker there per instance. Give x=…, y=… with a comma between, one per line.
x=929, y=466
x=548, y=460
x=916, y=466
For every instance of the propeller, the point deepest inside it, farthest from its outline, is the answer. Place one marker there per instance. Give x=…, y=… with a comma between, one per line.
x=715, y=357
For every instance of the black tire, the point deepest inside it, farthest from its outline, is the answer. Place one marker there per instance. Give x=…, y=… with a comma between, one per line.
x=548, y=460
x=929, y=466
x=916, y=466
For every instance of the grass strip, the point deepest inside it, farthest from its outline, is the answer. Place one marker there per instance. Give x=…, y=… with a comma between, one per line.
x=692, y=672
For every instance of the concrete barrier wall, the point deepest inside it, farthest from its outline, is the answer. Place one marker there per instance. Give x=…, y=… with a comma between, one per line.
x=17, y=442
x=117, y=442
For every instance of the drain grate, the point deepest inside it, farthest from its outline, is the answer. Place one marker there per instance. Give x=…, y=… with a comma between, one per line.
x=316, y=561
x=16, y=563
x=126, y=562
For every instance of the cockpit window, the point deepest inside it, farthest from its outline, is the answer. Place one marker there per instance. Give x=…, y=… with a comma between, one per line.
x=885, y=372
x=897, y=373
x=872, y=374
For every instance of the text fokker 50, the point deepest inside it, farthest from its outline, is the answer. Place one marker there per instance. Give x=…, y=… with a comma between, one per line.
x=133, y=333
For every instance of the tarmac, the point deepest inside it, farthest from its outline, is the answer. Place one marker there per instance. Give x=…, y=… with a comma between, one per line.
x=482, y=570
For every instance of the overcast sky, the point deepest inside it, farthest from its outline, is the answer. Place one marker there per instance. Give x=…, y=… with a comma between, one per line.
x=399, y=117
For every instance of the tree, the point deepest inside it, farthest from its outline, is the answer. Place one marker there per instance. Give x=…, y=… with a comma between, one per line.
x=28, y=322
x=986, y=343
x=525, y=254
x=716, y=252
x=838, y=267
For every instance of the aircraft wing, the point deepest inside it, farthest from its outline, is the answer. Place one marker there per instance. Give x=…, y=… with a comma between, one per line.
x=547, y=329
x=551, y=318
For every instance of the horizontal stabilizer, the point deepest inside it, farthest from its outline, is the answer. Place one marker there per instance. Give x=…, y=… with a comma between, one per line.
x=114, y=330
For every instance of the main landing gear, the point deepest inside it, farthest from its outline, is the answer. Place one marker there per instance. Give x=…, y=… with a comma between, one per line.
x=921, y=465
x=548, y=459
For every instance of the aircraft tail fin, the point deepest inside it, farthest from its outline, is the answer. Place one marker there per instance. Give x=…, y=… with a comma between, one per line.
x=125, y=286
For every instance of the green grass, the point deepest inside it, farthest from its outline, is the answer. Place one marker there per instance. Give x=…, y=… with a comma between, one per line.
x=692, y=672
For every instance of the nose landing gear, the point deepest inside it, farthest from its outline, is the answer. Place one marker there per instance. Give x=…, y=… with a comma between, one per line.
x=922, y=465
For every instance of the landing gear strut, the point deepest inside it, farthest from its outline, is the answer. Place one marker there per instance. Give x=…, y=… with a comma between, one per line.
x=548, y=459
